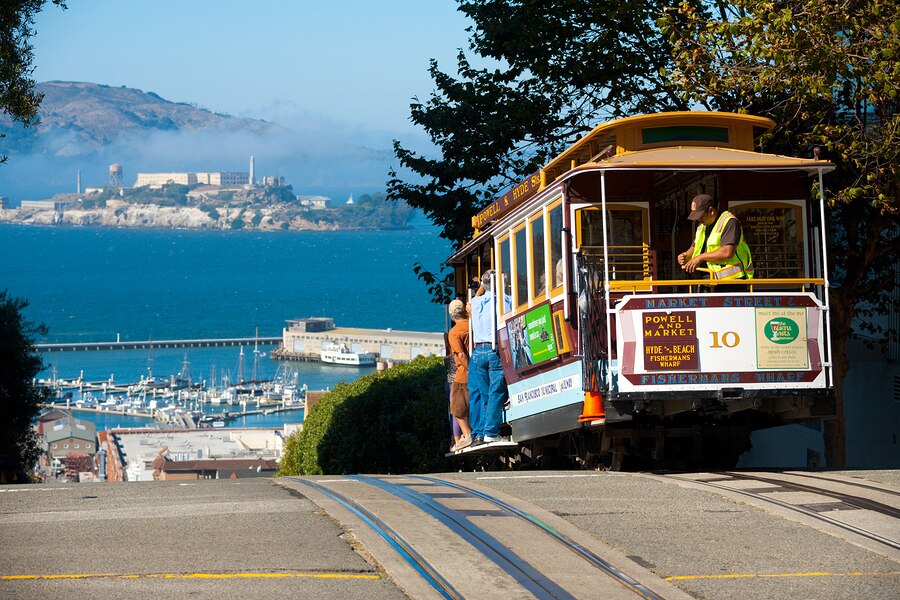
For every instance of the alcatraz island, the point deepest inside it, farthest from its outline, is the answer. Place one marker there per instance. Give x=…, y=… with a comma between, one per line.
x=212, y=200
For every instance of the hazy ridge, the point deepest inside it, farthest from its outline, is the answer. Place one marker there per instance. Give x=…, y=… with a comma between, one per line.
x=84, y=127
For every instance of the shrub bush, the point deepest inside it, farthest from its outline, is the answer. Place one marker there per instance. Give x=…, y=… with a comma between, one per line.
x=390, y=422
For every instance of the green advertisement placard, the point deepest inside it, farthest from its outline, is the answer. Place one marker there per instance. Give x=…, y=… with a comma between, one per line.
x=539, y=330
x=531, y=337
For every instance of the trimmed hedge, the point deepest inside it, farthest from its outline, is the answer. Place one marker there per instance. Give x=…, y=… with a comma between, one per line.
x=390, y=422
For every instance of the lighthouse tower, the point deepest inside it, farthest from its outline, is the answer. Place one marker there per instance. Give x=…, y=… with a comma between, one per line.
x=252, y=179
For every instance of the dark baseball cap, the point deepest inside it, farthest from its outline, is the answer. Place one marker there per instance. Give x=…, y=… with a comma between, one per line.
x=699, y=205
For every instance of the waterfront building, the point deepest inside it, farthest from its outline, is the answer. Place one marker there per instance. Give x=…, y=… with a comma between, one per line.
x=42, y=205
x=236, y=468
x=314, y=202
x=211, y=178
x=48, y=417
x=304, y=339
x=150, y=454
x=69, y=436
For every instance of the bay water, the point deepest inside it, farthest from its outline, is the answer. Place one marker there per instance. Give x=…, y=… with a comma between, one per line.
x=102, y=284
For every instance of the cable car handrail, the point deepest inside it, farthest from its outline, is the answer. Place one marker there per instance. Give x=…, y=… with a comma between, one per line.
x=634, y=285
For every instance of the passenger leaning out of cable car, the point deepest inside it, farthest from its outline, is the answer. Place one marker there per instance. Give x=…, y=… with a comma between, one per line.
x=720, y=243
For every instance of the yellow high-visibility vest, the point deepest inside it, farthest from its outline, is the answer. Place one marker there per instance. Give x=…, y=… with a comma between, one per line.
x=739, y=266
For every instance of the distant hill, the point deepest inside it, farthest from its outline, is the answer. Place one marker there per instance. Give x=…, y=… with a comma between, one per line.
x=86, y=127
x=79, y=118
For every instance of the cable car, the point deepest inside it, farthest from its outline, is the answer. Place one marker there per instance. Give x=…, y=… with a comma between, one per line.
x=610, y=349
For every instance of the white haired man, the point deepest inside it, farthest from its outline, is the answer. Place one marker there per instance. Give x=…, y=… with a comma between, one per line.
x=487, y=385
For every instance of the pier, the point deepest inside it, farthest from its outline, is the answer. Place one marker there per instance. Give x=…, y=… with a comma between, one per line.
x=157, y=344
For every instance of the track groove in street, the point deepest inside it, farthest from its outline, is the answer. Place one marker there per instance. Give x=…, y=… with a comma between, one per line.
x=864, y=504
x=534, y=557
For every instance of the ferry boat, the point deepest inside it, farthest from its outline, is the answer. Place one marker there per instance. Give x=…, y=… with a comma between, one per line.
x=340, y=354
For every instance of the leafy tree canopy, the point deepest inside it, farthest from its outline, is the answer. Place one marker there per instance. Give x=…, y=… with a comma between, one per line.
x=20, y=398
x=18, y=99
x=826, y=71
x=829, y=73
x=561, y=66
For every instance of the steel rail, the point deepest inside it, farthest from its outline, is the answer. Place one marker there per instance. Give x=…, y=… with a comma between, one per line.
x=518, y=568
x=849, y=499
x=407, y=552
x=575, y=547
x=858, y=484
x=800, y=509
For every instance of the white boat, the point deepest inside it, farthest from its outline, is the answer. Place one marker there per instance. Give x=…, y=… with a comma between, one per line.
x=340, y=354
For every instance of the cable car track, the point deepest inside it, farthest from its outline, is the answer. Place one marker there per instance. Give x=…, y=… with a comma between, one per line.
x=861, y=503
x=856, y=501
x=482, y=539
x=409, y=554
x=847, y=482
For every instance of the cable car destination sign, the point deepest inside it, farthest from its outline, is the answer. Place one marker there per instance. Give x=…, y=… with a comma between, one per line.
x=707, y=341
x=527, y=188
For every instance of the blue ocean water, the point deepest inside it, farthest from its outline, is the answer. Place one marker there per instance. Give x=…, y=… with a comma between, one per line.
x=96, y=284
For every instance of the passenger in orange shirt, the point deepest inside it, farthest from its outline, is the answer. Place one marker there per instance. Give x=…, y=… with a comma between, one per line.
x=459, y=387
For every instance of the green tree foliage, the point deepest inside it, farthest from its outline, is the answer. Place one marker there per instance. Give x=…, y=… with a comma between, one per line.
x=390, y=422
x=829, y=73
x=826, y=71
x=18, y=99
x=561, y=67
x=169, y=194
x=367, y=212
x=20, y=398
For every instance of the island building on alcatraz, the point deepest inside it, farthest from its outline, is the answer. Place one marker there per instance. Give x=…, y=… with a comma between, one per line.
x=222, y=178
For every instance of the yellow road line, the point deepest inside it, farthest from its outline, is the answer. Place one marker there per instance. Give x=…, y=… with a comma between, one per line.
x=765, y=575
x=189, y=576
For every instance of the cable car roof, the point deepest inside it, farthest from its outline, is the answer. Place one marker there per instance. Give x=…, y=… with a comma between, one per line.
x=699, y=157
x=672, y=141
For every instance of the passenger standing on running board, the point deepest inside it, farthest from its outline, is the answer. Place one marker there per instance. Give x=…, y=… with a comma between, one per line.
x=458, y=339
x=487, y=386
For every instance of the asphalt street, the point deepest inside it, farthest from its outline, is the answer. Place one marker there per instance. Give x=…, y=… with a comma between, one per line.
x=263, y=538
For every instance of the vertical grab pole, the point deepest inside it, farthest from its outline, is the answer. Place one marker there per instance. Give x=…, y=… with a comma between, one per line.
x=829, y=361
x=496, y=307
x=468, y=304
x=606, y=278
x=565, y=252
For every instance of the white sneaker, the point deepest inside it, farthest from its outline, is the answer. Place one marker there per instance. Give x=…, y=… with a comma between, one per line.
x=491, y=438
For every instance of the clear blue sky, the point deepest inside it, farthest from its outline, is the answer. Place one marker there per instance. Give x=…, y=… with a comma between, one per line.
x=356, y=63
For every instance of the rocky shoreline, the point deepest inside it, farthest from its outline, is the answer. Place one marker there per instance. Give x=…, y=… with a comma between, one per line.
x=150, y=216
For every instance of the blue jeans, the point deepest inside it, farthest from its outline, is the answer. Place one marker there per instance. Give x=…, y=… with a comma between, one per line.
x=487, y=392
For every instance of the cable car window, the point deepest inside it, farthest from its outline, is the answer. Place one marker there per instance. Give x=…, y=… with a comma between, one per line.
x=460, y=280
x=520, y=268
x=554, y=216
x=684, y=133
x=485, y=257
x=590, y=230
x=776, y=238
x=628, y=250
x=538, y=259
x=472, y=270
x=505, y=264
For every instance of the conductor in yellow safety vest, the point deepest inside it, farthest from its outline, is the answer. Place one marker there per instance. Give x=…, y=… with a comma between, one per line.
x=719, y=242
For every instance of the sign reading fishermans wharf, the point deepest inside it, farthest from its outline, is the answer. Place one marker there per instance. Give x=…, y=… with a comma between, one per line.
x=670, y=341
x=523, y=191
